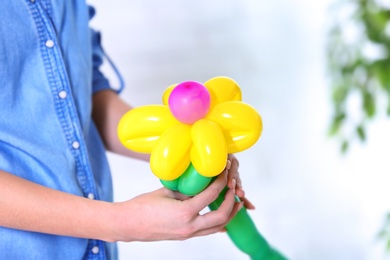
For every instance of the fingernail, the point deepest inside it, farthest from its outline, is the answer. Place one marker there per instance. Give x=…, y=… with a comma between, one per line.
x=228, y=164
x=234, y=183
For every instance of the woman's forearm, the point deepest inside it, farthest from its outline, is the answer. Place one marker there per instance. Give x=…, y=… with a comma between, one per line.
x=29, y=206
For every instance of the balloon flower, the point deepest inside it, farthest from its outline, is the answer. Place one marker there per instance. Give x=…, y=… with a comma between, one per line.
x=189, y=138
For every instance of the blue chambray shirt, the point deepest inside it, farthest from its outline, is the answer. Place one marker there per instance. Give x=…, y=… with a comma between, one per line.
x=49, y=70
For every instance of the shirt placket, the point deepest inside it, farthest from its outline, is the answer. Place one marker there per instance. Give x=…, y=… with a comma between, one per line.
x=65, y=108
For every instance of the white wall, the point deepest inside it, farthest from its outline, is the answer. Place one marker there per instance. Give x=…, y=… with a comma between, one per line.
x=312, y=202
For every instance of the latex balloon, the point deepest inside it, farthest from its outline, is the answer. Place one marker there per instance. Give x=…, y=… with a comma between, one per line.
x=172, y=185
x=209, y=151
x=140, y=128
x=189, y=183
x=170, y=155
x=189, y=101
x=167, y=93
x=240, y=123
x=223, y=89
x=192, y=183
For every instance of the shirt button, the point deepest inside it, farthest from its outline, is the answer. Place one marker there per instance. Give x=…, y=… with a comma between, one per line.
x=95, y=250
x=62, y=94
x=76, y=145
x=32, y=1
x=91, y=196
x=49, y=43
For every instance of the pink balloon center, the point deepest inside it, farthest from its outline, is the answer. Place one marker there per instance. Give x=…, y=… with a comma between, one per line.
x=189, y=101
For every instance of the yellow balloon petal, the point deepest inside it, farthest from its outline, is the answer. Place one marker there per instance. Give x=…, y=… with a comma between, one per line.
x=140, y=128
x=223, y=89
x=167, y=93
x=208, y=152
x=240, y=123
x=170, y=156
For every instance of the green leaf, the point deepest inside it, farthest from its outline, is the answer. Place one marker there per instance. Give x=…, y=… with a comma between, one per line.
x=388, y=245
x=344, y=146
x=375, y=23
x=381, y=70
x=337, y=123
x=339, y=94
x=368, y=104
x=388, y=109
x=361, y=133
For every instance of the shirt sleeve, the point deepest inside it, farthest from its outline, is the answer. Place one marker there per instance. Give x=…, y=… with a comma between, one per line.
x=99, y=81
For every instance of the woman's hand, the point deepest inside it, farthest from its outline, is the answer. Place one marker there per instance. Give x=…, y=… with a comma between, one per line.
x=167, y=215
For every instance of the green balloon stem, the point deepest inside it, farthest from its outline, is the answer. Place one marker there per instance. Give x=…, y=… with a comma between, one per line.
x=244, y=234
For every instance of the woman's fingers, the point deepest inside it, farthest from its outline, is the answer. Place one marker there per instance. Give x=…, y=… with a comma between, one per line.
x=215, y=221
x=210, y=194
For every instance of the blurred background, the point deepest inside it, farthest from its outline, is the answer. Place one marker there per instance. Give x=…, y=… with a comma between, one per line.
x=312, y=200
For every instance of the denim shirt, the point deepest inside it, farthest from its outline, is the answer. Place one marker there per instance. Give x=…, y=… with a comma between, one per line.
x=49, y=70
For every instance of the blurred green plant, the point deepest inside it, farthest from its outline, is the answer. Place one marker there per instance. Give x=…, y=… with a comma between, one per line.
x=359, y=64
x=359, y=60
